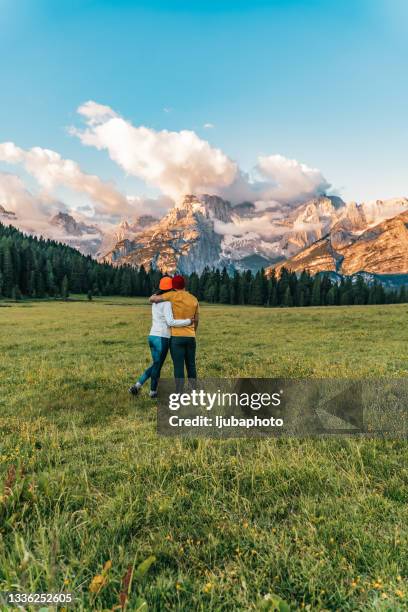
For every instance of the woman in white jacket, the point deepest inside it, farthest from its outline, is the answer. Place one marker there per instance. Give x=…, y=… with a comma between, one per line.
x=159, y=339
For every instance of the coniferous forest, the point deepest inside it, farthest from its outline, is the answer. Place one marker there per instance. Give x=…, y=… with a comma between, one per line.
x=32, y=267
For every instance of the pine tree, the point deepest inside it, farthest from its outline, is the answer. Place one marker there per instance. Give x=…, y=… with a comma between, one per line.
x=210, y=291
x=8, y=272
x=274, y=296
x=402, y=298
x=17, y=293
x=283, y=284
x=126, y=284
x=217, y=284
x=194, y=284
x=316, y=297
x=346, y=297
x=224, y=295
x=257, y=286
x=325, y=287
x=360, y=292
x=243, y=290
x=234, y=288
x=331, y=297
x=287, y=298
x=203, y=283
x=64, y=288
x=371, y=295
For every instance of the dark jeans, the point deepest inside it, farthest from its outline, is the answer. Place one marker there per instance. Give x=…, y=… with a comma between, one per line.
x=183, y=351
x=159, y=348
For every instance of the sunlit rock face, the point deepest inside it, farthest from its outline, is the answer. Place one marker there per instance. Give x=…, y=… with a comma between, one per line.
x=184, y=239
x=347, y=249
x=323, y=233
x=206, y=231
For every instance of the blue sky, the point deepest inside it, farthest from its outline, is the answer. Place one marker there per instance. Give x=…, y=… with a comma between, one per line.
x=324, y=82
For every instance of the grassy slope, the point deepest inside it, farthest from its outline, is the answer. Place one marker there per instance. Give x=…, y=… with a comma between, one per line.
x=322, y=523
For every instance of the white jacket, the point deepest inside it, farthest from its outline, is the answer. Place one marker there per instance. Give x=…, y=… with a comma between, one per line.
x=162, y=320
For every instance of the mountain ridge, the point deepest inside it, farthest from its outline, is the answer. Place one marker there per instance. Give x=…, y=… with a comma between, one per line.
x=208, y=231
x=379, y=249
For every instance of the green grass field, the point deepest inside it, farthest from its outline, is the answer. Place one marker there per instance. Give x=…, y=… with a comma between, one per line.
x=85, y=482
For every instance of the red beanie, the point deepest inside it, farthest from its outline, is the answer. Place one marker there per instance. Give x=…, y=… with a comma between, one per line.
x=178, y=282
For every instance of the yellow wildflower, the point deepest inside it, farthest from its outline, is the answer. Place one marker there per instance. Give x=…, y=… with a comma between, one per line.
x=97, y=583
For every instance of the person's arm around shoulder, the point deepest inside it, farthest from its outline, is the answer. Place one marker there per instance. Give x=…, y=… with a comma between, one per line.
x=170, y=320
x=163, y=297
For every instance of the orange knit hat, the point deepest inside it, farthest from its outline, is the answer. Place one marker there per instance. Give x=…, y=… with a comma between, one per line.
x=166, y=283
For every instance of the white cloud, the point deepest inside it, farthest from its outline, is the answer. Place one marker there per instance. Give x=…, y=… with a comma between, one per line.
x=208, y=126
x=175, y=162
x=264, y=225
x=178, y=163
x=32, y=212
x=52, y=171
x=288, y=180
x=96, y=112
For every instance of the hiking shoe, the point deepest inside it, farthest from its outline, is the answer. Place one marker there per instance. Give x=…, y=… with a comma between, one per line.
x=153, y=394
x=134, y=389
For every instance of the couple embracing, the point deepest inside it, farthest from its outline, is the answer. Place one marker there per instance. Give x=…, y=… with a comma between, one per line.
x=175, y=314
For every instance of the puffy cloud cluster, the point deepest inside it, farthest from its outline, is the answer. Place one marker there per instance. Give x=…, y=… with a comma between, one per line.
x=288, y=180
x=52, y=171
x=175, y=162
x=178, y=163
x=31, y=212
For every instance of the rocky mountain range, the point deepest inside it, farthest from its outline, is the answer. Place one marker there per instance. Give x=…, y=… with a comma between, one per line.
x=322, y=234
x=78, y=234
x=206, y=230
x=350, y=247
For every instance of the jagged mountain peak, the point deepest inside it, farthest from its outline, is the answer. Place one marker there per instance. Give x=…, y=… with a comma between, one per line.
x=71, y=226
x=209, y=206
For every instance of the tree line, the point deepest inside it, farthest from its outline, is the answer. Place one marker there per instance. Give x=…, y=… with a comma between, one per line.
x=289, y=289
x=38, y=268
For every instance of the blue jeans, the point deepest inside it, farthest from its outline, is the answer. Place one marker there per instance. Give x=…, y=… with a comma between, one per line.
x=159, y=348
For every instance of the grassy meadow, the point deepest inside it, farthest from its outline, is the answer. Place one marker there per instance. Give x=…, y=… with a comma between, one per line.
x=94, y=502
